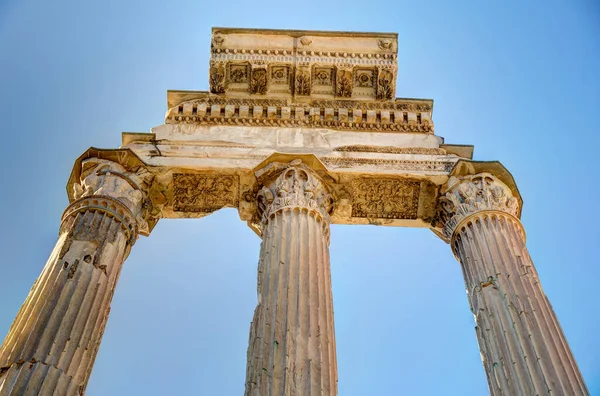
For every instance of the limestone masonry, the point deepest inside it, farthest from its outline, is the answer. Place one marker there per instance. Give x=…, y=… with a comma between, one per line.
x=300, y=129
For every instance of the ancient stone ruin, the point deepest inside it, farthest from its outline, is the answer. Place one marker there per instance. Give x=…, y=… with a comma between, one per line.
x=300, y=130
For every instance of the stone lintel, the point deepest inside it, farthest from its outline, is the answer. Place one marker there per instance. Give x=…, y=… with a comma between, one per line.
x=396, y=190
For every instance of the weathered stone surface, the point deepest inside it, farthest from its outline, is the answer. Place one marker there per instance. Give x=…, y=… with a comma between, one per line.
x=522, y=345
x=255, y=62
x=51, y=346
x=326, y=102
x=385, y=198
x=204, y=192
x=292, y=340
x=327, y=94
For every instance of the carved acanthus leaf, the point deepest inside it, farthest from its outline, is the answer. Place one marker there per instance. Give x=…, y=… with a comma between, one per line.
x=217, y=78
x=471, y=194
x=302, y=83
x=258, y=83
x=385, y=85
x=344, y=84
x=296, y=187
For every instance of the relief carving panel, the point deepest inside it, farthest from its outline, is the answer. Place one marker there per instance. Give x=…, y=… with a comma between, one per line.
x=204, y=193
x=385, y=198
x=238, y=73
x=217, y=78
x=302, y=85
x=258, y=83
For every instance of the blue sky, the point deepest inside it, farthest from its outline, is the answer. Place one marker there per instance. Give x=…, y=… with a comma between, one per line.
x=519, y=80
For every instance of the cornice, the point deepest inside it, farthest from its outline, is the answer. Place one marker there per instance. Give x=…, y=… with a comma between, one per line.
x=300, y=33
x=400, y=115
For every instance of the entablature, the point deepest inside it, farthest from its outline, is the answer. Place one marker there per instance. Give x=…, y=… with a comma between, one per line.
x=326, y=99
x=376, y=177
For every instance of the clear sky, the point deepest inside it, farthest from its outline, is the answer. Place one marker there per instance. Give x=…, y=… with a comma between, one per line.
x=518, y=79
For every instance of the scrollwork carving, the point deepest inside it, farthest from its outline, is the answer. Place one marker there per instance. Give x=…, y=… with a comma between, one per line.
x=471, y=194
x=202, y=193
x=385, y=198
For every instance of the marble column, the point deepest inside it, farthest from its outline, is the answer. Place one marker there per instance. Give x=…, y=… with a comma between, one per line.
x=51, y=345
x=292, y=343
x=523, y=347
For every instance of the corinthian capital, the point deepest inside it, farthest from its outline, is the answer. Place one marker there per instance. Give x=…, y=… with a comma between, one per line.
x=467, y=195
x=297, y=186
x=108, y=186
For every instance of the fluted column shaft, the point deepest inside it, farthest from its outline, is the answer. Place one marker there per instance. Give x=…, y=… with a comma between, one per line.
x=292, y=343
x=51, y=345
x=523, y=347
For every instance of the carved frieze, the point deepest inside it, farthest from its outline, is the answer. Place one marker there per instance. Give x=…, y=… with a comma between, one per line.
x=385, y=198
x=204, y=193
x=330, y=60
x=470, y=194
